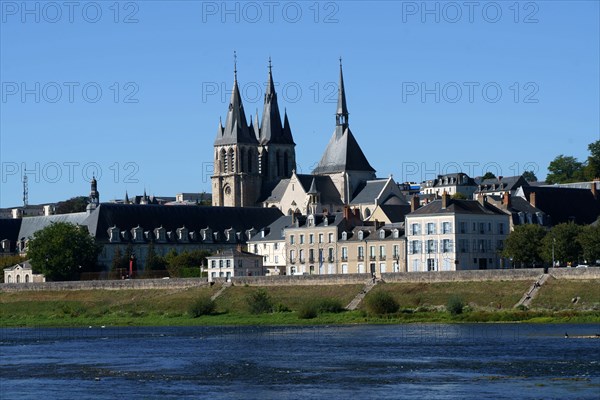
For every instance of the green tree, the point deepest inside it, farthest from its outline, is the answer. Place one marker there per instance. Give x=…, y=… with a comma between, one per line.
x=589, y=239
x=563, y=239
x=592, y=169
x=73, y=205
x=524, y=245
x=459, y=196
x=565, y=169
x=154, y=261
x=530, y=176
x=61, y=251
x=488, y=175
x=176, y=263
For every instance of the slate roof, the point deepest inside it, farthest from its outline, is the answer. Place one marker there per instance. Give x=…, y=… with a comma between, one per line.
x=150, y=217
x=230, y=252
x=323, y=184
x=271, y=130
x=455, y=206
x=31, y=225
x=564, y=204
x=369, y=191
x=9, y=229
x=502, y=183
x=273, y=232
x=236, y=129
x=343, y=154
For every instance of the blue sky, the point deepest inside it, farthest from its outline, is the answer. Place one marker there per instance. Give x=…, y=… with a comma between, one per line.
x=133, y=91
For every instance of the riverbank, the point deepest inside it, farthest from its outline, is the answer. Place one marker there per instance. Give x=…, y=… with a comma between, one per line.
x=573, y=301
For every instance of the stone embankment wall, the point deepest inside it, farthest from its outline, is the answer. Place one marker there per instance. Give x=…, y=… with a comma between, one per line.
x=312, y=280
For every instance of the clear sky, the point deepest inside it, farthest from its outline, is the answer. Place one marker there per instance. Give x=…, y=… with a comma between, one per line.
x=133, y=91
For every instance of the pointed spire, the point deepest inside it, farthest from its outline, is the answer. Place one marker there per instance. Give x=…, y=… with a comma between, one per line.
x=271, y=130
x=313, y=187
x=126, y=197
x=341, y=115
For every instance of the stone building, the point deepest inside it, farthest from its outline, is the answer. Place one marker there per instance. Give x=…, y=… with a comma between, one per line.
x=269, y=243
x=234, y=262
x=22, y=273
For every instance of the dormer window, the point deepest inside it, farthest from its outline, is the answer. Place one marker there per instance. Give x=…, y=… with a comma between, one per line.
x=381, y=234
x=344, y=235
x=360, y=235
x=395, y=234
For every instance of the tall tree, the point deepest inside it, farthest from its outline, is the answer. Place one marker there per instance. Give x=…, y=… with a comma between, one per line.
x=592, y=169
x=62, y=250
x=562, y=238
x=488, y=175
x=524, y=245
x=153, y=260
x=589, y=238
x=565, y=169
x=530, y=176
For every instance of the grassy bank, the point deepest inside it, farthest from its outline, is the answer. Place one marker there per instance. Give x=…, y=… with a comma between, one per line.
x=419, y=302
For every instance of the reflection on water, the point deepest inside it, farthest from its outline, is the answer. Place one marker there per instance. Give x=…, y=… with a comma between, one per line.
x=434, y=361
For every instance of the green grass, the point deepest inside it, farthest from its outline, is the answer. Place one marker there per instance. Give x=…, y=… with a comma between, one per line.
x=558, y=294
x=422, y=302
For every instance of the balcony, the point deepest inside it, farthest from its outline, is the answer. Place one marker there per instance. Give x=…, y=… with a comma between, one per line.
x=344, y=258
x=372, y=258
x=311, y=259
x=360, y=258
x=329, y=259
x=382, y=257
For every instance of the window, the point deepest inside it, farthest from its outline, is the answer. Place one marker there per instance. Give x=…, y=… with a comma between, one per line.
x=415, y=246
x=291, y=239
x=292, y=256
x=396, y=251
x=220, y=263
x=301, y=254
x=430, y=264
x=275, y=245
x=481, y=226
x=344, y=235
x=361, y=252
x=311, y=255
x=499, y=245
x=382, y=234
x=474, y=226
x=330, y=238
x=395, y=234
x=320, y=238
x=344, y=253
x=330, y=254
x=501, y=228
x=228, y=263
x=430, y=228
x=446, y=246
x=311, y=238
x=301, y=239
x=360, y=235
x=372, y=252
x=464, y=245
x=415, y=229
x=344, y=268
x=213, y=264
x=431, y=246
x=276, y=259
x=446, y=227
x=463, y=227
x=415, y=265
x=382, y=252
x=255, y=249
x=382, y=268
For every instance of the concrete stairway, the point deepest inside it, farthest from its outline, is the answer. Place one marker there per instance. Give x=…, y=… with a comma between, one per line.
x=532, y=292
x=359, y=297
x=225, y=286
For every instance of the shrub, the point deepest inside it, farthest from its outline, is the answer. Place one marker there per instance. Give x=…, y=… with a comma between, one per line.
x=329, y=305
x=202, y=306
x=260, y=302
x=308, y=311
x=280, y=307
x=380, y=303
x=455, y=305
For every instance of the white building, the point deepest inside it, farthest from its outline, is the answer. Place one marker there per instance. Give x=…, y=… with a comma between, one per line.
x=22, y=273
x=450, y=235
x=269, y=243
x=234, y=262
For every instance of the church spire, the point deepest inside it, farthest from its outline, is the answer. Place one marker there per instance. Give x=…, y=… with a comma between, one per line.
x=271, y=130
x=341, y=115
x=236, y=128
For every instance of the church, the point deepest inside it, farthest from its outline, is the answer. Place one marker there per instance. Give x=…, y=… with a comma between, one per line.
x=255, y=164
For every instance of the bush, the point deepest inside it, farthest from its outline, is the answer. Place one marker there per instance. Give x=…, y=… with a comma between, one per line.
x=202, y=306
x=280, y=307
x=380, y=303
x=455, y=305
x=260, y=302
x=329, y=305
x=308, y=311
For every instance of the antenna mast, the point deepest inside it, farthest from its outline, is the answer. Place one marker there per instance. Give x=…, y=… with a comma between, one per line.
x=25, y=191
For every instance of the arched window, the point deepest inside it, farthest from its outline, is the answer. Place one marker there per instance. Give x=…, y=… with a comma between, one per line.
x=26, y=278
x=18, y=278
x=10, y=279
x=290, y=212
x=223, y=162
x=231, y=160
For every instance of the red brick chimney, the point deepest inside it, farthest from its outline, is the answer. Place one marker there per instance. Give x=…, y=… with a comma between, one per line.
x=532, y=199
x=347, y=213
x=444, y=200
x=414, y=203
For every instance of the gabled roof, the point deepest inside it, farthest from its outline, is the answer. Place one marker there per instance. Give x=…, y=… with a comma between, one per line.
x=273, y=231
x=230, y=252
x=324, y=186
x=455, y=206
x=369, y=191
x=502, y=183
x=343, y=154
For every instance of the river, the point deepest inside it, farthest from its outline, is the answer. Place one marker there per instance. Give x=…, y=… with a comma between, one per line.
x=420, y=361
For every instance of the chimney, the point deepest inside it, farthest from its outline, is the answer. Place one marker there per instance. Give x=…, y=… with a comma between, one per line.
x=347, y=213
x=357, y=213
x=414, y=203
x=506, y=203
x=481, y=198
x=500, y=178
x=532, y=199
x=444, y=200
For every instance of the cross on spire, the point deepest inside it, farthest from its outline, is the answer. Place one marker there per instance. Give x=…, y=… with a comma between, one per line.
x=235, y=65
